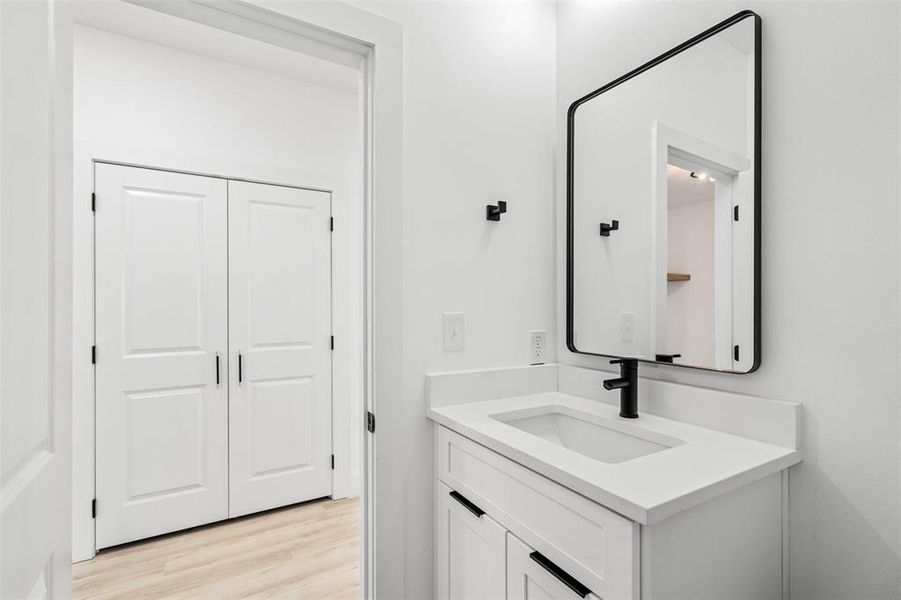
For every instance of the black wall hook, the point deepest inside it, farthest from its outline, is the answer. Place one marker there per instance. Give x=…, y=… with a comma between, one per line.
x=606, y=228
x=494, y=212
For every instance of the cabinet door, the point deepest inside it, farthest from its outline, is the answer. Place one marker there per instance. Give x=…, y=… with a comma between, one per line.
x=280, y=396
x=162, y=417
x=531, y=577
x=470, y=550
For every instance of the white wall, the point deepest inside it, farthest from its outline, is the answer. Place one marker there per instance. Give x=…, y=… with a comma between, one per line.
x=830, y=257
x=145, y=103
x=138, y=94
x=479, y=102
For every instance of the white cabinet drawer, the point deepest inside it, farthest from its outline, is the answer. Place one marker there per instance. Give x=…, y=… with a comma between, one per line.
x=530, y=577
x=596, y=546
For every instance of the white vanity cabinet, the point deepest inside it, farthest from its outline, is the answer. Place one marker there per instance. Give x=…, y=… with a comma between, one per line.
x=507, y=532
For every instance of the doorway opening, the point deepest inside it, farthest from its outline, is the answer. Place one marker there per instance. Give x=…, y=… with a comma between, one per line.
x=702, y=217
x=699, y=264
x=220, y=284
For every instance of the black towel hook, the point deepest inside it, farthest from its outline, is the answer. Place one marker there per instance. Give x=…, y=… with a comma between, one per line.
x=606, y=228
x=494, y=212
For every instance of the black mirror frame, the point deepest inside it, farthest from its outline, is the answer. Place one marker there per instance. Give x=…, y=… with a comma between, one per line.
x=570, y=200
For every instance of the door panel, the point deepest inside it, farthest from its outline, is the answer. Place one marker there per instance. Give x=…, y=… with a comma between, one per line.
x=162, y=265
x=161, y=290
x=527, y=580
x=470, y=551
x=280, y=323
x=272, y=403
x=35, y=301
x=149, y=472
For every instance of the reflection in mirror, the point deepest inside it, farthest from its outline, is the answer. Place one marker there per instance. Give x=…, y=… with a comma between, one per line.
x=691, y=229
x=662, y=207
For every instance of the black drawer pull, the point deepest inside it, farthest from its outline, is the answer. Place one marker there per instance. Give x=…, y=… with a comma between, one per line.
x=561, y=575
x=469, y=505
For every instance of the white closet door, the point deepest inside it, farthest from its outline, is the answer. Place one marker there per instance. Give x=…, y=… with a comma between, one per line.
x=161, y=317
x=279, y=345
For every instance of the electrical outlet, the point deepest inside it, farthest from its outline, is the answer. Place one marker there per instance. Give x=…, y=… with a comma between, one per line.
x=454, y=333
x=626, y=326
x=538, y=346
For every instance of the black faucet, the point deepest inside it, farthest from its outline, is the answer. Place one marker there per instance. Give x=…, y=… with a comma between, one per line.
x=627, y=384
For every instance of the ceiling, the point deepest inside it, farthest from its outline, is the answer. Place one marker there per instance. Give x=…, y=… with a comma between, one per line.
x=683, y=189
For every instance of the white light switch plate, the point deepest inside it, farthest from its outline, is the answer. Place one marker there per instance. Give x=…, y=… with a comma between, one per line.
x=454, y=332
x=537, y=346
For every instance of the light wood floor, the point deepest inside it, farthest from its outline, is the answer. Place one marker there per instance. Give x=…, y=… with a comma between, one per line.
x=306, y=551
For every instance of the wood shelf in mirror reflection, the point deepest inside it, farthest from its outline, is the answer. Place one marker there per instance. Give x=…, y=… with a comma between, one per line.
x=678, y=277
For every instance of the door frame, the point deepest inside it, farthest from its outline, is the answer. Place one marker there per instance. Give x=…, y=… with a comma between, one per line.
x=347, y=35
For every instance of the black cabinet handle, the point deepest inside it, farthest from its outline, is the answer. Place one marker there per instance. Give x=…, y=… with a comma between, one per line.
x=561, y=575
x=466, y=503
x=240, y=368
x=217, y=368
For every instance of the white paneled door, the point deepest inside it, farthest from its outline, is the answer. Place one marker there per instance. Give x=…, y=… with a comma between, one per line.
x=35, y=301
x=161, y=328
x=279, y=346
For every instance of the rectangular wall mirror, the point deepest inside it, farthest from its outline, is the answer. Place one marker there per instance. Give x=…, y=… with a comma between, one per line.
x=663, y=207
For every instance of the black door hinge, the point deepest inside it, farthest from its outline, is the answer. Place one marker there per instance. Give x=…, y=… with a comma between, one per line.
x=370, y=422
x=333, y=342
x=331, y=223
x=93, y=202
x=735, y=353
x=333, y=462
x=735, y=213
x=93, y=355
x=94, y=508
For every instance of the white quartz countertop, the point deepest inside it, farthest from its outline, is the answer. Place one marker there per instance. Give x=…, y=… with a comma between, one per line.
x=646, y=489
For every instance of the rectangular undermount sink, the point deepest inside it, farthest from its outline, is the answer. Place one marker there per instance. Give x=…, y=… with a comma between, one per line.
x=599, y=438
